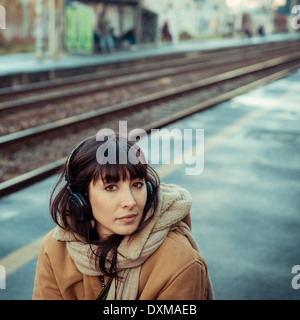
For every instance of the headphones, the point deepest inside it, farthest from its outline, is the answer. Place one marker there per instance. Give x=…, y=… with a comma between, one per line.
x=79, y=205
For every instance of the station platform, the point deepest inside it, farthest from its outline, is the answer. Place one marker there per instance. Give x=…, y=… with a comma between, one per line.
x=22, y=68
x=245, y=211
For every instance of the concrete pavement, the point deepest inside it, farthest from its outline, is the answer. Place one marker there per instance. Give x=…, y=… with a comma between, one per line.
x=246, y=204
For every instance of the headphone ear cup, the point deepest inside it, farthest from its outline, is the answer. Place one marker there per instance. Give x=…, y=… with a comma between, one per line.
x=80, y=207
x=149, y=191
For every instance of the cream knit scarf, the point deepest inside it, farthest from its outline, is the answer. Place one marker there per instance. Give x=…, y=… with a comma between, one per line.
x=133, y=251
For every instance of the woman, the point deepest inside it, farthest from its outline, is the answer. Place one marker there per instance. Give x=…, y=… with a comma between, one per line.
x=120, y=234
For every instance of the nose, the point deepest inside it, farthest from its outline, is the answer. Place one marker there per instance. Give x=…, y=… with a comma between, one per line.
x=128, y=201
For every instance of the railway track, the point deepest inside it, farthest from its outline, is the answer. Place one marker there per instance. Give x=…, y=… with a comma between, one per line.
x=35, y=153
x=34, y=109
x=51, y=91
x=192, y=58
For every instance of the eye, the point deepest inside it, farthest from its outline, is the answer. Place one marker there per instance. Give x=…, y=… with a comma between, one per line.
x=111, y=187
x=138, y=185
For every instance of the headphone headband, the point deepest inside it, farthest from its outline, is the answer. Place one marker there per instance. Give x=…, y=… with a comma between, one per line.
x=67, y=175
x=78, y=204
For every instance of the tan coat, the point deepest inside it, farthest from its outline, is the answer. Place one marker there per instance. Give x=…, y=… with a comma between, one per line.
x=174, y=272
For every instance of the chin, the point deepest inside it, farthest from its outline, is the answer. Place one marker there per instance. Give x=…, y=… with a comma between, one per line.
x=127, y=231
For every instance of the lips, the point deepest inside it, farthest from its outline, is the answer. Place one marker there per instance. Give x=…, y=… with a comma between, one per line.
x=129, y=218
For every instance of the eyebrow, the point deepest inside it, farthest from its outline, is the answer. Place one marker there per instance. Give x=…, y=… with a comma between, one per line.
x=106, y=181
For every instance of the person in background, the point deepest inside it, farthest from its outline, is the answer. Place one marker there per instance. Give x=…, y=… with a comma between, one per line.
x=261, y=31
x=106, y=40
x=166, y=35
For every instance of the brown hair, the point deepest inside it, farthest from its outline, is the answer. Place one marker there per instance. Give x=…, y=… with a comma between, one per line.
x=83, y=169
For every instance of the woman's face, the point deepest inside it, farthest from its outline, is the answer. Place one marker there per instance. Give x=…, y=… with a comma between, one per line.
x=117, y=207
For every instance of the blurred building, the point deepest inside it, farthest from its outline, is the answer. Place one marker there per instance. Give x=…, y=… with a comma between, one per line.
x=20, y=17
x=54, y=26
x=71, y=25
x=122, y=23
x=271, y=15
x=194, y=19
x=189, y=18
